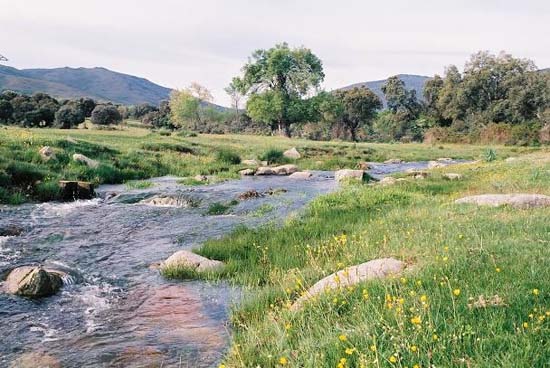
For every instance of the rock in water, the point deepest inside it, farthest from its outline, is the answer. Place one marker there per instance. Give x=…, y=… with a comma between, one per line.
x=349, y=173
x=73, y=190
x=11, y=230
x=47, y=153
x=32, y=282
x=187, y=259
x=170, y=201
x=285, y=169
x=86, y=160
x=301, y=175
x=264, y=170
x=377, y=268
x=292, y=153
x=518, y=200
x=247, y=172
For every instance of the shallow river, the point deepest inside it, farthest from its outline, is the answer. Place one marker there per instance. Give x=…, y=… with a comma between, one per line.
x=114, y=310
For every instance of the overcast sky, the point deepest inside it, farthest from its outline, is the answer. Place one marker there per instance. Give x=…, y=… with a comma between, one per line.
x=173, y=42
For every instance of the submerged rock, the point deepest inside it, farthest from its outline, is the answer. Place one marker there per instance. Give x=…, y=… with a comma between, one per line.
x=85, y=160
x=292, y=153
x=301, y=175
x=47, y=153
x=377, y=268
x=349, y=173
x=249, y=194
x=11, y=230
x=170, y=201
x=519, y=200
x=32, y=282
x=35, y=360
x=192, y=261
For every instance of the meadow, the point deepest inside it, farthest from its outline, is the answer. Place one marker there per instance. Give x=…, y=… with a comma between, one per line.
x=131, y=154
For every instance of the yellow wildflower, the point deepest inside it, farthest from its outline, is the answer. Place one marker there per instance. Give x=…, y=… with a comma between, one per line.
x=372, y=348
x=350, y=351
x=221, y=366
x=414, y=348
x=393, y=359
x=536, y=292
x=497, y=269
x=525, y=325
x=342, y=338
x=456, y=292
x=416, y=320
x=423, y=298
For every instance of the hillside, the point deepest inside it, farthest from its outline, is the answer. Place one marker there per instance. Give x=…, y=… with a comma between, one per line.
x=98, y=83
x=412, y=81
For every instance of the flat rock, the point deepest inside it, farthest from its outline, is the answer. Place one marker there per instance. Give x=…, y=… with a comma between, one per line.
x=444, y=159
x=46, y=153
x=349, y=173
x=292, y=153
x=388, y=180
x=518, y=200
x=511, y=159
x=185, y=258
x=251, y=162
x=32, y=282
x=435, y=165
x=377, y=268
x=201, y=178
x=301, y=175
x=264, y=170
x=247, y=172
x=394, y=161
x=452, y=176
x=285, y=169
x=85, y=160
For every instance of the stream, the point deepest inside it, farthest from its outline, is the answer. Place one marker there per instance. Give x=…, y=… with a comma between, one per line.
x=114, y=310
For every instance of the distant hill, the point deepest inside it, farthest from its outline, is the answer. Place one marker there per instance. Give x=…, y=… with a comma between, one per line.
x=98, y=83
x=412, y=81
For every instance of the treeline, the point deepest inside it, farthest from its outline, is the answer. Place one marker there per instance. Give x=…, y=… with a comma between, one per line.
x=495, y=99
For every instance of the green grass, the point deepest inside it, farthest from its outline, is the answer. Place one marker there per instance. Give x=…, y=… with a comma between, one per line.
x=426, y=317
x=139, y=184
x=131, y=153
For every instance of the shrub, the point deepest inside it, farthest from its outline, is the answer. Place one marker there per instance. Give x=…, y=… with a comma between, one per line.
x=274, y=156
x=228, y=157
x=23, y=173
x=48, y=191
x=68, y=116
x=489, y=155
x=105, y=115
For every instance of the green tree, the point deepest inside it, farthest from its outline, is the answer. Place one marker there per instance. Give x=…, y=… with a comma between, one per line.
x=359, y=106
x=68, y=116
x=234, y=92
x=6, y=110
x=184, y=109
x=400, y=100
x=106, y=115
x=283, y=76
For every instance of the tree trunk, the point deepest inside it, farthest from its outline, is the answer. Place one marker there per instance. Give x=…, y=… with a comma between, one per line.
x=284, y=129
x=353, y=134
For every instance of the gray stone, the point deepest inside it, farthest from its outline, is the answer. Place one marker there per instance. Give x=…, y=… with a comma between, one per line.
x=247, y=172
x=47, y=153
x=393, y=161
x=32, y=282
x=187, y=259
x=518, y=200
x=301, y=175
x=435, y=165
x=452, y=176
x=200, y=178
x=445, y=159
x=285, y=169
x=264, y=170
x=292, y=153
x=378, y=268
x=346, y=174
x=85, y=160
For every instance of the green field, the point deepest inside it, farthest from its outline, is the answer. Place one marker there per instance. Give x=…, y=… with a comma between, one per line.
x=131, y=153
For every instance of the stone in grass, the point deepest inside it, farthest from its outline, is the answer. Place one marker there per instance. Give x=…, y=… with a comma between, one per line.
x=377, y=268
x=250, y=162
x=292, y=153
x=435, y=165
x=452, y=176
x=85, y=160
x=345, y=174
x=46, y=153
x=301, y=175
x=190, y=261
x=32, y=282
x=388, y=180
x=201, y=178
x=517, y=200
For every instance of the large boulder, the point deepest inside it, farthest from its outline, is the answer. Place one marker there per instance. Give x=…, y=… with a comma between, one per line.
x=292, y=153
x=301, y=175
x=192, y=261
x=32, y=282
x=247, y=172
x=349, y=174
x=285, y=169
x=85, y=160
x=265, y=170
x=377, y=268
x=519, y=200
x=46, y=153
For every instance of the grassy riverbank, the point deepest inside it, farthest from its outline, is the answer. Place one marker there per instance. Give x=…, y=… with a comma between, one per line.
x=134, y=154
x=477, y=292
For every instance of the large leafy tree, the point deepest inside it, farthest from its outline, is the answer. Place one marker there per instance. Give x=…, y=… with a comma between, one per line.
x=190, y=106
x=283, y=77
x=400, y=100
x=359, y=106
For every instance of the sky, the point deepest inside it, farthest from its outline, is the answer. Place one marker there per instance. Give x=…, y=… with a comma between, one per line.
x=174, y=43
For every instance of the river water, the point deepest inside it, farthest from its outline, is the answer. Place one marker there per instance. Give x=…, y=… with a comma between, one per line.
x=114, y=310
